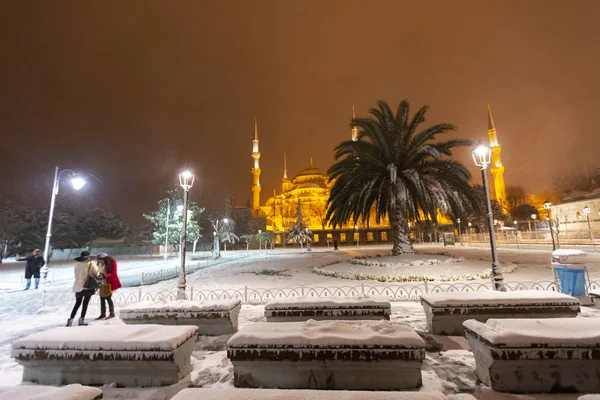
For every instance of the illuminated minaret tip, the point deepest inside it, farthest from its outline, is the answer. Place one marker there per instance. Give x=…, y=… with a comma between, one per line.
x=354, y=128
x=284, y=165
x=255, y=171
x=496, y=169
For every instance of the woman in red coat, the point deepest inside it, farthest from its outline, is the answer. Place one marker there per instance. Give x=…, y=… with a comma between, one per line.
x=108, y=271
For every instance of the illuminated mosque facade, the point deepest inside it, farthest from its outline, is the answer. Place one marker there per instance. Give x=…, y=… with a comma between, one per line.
x=311, y=188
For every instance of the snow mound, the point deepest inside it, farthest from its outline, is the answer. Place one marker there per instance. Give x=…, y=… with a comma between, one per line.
x=543, y=332
x=69, y=392
x=492, y=297
x=317, y=334
x=327, y=302
x=109, y=337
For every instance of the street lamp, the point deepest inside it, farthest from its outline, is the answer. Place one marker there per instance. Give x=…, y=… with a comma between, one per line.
x=357, y=235
x=186, y=181
x=482, y=156
x=534, y=217
x=470, y=224
x=516, y=224
x=77, y=182
x=459, y=232
x=587, y=211
x=547, y=206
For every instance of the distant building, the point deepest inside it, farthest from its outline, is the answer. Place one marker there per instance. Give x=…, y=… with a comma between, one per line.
x=572, y=218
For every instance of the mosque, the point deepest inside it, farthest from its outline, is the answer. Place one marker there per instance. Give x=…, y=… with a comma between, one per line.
x=311, y=188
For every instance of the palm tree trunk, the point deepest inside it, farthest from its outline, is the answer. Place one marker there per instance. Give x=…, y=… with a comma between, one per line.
x=400, y=233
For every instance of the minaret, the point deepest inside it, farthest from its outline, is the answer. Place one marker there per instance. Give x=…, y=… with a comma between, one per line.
x=286, y=184
x=255, y=172
x=354, y=129
x=497, y=169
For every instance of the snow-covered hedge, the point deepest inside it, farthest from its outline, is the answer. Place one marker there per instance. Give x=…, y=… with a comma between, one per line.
x=507, y=269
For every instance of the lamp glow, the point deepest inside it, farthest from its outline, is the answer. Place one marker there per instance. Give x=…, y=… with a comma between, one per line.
x=482, y=155
x=186, y=179
x=78, y=182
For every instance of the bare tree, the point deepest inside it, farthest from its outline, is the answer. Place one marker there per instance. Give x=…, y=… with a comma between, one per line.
x=585, y=179
x=515, y=196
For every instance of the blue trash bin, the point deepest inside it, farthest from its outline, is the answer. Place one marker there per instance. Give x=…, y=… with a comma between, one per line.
x=572, y=281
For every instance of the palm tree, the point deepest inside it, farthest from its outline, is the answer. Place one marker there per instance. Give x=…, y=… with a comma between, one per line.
x=398, y=172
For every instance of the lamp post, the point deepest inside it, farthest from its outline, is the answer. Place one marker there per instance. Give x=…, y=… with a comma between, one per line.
x=516, y=224
x=534, y=217
x=357, y=235
x=459, y=231
x=186, y=180
x=470, y=224
x=547, y=206
x=482, y=157
x=77, y=182
x=587, y=211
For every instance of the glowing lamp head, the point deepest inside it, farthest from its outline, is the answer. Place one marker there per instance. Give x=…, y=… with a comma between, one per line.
x=547, y=205
x=470, y=224
x=180, y=207
x=186, y=179
x=458, y=220
x=225, y=220
x=586, y=210
x=482, y=155
x=533, y=216
x=77, y=182
x=516, y=222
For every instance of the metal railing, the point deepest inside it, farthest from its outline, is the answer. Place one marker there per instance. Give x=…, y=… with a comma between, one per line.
x=256, y=296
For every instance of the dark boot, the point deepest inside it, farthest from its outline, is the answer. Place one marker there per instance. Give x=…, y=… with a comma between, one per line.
x=70, y=322
x=82, y=322
x=111, y=311
x=102, y=313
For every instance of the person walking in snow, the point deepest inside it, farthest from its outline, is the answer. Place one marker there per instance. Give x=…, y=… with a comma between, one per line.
x=85, y=285
x=35, y=262
x=109, y=282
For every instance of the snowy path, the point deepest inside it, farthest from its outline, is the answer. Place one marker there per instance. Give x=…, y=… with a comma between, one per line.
x=449, y=371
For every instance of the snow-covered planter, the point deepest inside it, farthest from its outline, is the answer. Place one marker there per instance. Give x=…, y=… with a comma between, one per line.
x=537, y=355
x=141, y=355
x=69, y=392
x=274, y=394
x=334, y=355
x=323, y=308
x=446, y=312
x=213, y=318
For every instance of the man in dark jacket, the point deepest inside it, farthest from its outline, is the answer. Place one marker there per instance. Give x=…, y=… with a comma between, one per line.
x=34, y=263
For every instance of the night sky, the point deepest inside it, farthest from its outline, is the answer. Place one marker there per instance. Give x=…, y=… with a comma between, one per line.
x=133, y=91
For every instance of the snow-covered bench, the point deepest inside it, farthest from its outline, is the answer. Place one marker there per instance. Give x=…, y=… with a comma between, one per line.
x=69, y=392
x=213, y=318
x=327, y=308
x=275, y=394
x=141, y=355
x=446, y=312
x=342, y=355
x=537, y=355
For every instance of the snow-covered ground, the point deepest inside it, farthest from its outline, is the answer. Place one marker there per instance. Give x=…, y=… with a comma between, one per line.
x=449, y=369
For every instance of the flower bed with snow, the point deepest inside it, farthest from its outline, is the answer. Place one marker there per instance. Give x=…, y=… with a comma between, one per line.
x=142, y=355
x=212, y=318
x=271, y=394
x=346, y=355
x=320, y=308
x=69, y=392
x=537, y=355
x=402, y=269
x=446, y=312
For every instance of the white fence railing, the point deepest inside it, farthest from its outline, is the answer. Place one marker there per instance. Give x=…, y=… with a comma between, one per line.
x=256, y=296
